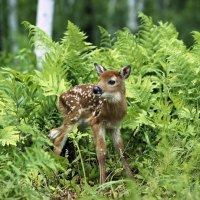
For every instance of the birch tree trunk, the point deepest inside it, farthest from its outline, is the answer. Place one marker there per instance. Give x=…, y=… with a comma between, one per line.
x=134, y=7
x=13, y=24
x=44, y=21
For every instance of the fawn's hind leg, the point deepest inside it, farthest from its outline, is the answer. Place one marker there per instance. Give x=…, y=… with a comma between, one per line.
x=61, y=139
x=60, y=134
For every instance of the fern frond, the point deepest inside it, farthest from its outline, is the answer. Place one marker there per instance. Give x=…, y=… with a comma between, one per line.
x=53, y=86
x=196, y=46
x=75, y=39
x=77, y=52
x=54, y=72
x=152, y=37
x=9, y=136
x=146, y=22
x=105, y=41
x=130, y=52
x=38, y=37
x=185, y=74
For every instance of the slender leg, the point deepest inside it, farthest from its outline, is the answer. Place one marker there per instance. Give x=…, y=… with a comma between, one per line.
x=99, y=137
x=60, y=134
x=60, y=141
x=54, y=133
x=117, y=139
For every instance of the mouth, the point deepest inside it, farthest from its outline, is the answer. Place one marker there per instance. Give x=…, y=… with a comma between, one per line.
x=111, y=97
x=98, y=95
x=107, y=96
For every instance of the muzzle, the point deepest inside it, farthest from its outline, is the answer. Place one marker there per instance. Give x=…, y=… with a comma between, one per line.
x=97, y=90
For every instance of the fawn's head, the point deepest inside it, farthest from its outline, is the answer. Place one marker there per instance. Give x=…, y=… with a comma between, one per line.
x=111, y=86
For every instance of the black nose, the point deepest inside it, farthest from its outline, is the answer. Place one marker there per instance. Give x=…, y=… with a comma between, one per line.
x=97, y=90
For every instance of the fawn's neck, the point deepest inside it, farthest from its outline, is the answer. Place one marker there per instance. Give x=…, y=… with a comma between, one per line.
x=114, y=110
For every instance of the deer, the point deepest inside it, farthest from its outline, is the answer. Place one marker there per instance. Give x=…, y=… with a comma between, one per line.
x=102, y=106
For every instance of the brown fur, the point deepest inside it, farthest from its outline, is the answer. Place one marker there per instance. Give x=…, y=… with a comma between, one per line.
x=102, y=113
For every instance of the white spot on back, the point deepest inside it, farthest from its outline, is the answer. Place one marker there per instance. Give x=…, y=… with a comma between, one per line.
x=77, y=90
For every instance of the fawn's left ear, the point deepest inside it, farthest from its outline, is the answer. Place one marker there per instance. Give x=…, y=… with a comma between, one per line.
x=125, y=71
x=100, y=69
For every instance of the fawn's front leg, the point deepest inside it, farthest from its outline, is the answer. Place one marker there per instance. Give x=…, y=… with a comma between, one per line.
x=117, y=139
x=99, y=139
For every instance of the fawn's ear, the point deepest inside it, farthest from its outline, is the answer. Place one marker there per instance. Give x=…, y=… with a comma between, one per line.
x=125, y=71
x=100, y=69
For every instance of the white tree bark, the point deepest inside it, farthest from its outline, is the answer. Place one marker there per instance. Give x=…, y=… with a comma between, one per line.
x=44, y=20
x=134, y=7
x=13, y=24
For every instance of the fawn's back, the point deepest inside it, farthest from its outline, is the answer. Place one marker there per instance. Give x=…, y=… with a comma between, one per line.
x=80, y=103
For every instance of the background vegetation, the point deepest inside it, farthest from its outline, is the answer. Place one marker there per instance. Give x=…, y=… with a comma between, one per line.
x=161, y=129
x=110, y=14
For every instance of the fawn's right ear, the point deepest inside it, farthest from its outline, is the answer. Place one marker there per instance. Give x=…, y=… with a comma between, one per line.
x=100, y=69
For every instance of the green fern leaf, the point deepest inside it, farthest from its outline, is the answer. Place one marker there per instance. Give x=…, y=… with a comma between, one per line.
x=38, y=37
x=9, y=136
x=105, y=41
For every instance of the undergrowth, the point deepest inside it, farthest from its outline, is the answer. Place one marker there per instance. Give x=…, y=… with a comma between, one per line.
x=161, y=128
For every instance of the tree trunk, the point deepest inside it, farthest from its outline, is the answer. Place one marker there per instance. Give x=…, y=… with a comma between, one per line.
x=134, y=7
x=13, y=24
x=44, y=21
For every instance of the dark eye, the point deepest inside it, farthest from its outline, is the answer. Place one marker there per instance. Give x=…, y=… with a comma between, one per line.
x=111, y=82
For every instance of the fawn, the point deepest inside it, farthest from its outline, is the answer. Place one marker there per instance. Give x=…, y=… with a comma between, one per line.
x=102, y=106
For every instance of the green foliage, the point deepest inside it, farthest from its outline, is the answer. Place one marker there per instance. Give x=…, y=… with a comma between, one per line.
x=184, y=15
x=161, y=128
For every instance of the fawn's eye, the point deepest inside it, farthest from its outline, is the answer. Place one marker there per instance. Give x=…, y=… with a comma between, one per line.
x=111, y=82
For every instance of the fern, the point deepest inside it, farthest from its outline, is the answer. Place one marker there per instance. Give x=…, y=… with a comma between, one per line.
x=39, y=38
x=130, y=51
x=53, y=86
x=9, y=136
x=75, y=39
x=161, y=127
x=78, y=52
x=196, y=46
x=106, y=41
x=52, y=63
